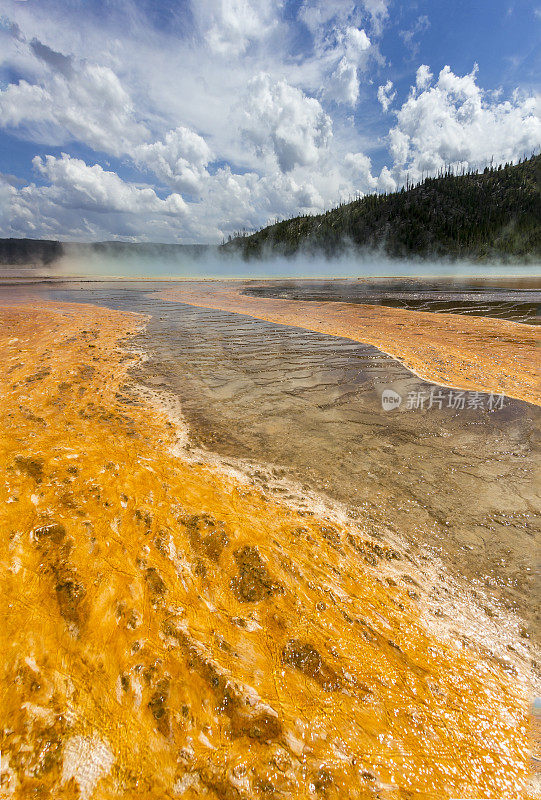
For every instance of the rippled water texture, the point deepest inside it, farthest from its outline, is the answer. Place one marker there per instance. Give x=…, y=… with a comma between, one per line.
x=516, y=300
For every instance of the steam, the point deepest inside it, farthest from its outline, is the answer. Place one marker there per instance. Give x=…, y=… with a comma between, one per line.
x=177, y=263
x=116, y=260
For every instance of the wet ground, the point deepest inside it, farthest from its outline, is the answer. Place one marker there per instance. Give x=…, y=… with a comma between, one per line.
x=450, y=473
x=173, y=628
x=516, y=300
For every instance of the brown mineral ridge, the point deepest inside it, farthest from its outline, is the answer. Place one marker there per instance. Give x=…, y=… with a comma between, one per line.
x=464, y=352
x=167, y=630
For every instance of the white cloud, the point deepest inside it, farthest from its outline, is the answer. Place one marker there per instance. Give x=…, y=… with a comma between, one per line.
x=173, y=81
x=379, y=11
x=386, y=182
x=88, y=105
x=341, y=43
x=399, y=145
x=250, y=200
x=229, y=27
x=360, y=169
x=346, y=52
x=386, y=95
x=88, y=202
x=75, y=184
x=343, y=86
x=319, y=15
x=84, y=202
x=423, y=77
x=453, y=121
x=356, y=42
x=6, y=194
x=282, y=120
x=180, y=160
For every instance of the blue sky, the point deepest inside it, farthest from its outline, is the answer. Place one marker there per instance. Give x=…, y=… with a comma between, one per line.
x=185, y=121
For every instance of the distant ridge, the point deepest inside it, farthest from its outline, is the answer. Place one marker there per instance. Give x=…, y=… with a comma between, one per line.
x=491, y=214
x=35, y=252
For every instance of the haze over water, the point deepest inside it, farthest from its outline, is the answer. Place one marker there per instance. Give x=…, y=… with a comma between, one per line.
x=218, y=266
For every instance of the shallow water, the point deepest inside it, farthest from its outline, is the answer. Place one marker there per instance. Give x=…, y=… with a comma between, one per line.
x=516, y=301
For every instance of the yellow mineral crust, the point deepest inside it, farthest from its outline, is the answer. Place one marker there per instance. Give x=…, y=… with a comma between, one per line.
x=168, y=631
x=457, y=350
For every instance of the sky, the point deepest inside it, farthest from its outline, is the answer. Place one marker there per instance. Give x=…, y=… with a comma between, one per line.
x=154, y=120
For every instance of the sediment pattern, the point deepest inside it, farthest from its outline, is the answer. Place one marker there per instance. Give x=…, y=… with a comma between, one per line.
x=450, y=349
x=305, y=408
x=169, y=630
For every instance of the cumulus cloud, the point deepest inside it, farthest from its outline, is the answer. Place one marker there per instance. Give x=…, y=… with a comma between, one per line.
x=423, y=77
x=251, y=200
x=7, y=191
x=280, y=119
x=88, y=105
x=82, y=201
x=75, y=184
x=355, y=42
x=340, y=41
x=343, y=87
x=241, y=150
x=453, y=121
x=386, y=95
x=359, y=166
x=386, y=182
x=180, y=160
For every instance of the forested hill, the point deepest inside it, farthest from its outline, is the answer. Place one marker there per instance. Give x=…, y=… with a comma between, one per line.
x=35, y=252
x=492, y=214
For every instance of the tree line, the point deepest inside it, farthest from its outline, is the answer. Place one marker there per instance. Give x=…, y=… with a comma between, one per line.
x=493, y=213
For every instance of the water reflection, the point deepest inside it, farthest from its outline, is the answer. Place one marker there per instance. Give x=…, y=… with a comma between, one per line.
x=518, y=301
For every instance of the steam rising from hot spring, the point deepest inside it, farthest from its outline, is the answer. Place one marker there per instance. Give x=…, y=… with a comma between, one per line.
x=210, y=263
